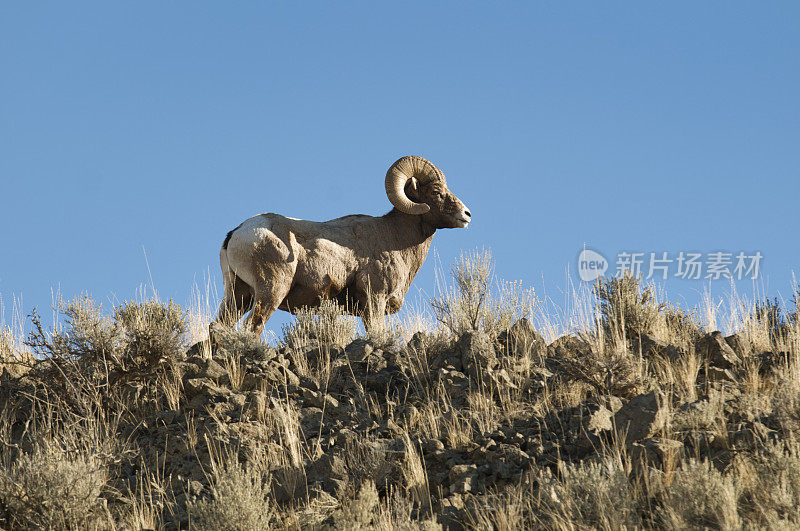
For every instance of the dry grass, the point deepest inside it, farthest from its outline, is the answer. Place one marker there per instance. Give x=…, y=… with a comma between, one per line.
x=451, y=418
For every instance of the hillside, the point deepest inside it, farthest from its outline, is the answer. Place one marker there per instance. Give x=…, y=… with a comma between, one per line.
x=641, y=418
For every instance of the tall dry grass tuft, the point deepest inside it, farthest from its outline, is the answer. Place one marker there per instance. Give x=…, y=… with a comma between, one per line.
x=415, y=476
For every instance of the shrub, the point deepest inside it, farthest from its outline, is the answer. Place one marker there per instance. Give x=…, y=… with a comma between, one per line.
x=477, y=300
x=324, y=325
x=794, y=315
x=626, y=308
x=700, y=497
x=240, y=500
x=86, y=359
x=366, y=462
x=88, y=337
x=359, y=512
x=681, y=326
x=774, y=484
x=12, y=358
x=153, y=331
x=769, y=315
x=241, y=343
x=592, y=495
x=606, y=370
x=53, y=489
x=786, y=410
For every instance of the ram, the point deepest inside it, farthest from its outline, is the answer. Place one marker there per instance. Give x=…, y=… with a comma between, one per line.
x=365, y=263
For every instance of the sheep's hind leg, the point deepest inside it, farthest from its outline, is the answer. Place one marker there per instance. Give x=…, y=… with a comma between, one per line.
x=238, y=300
x=267, y=301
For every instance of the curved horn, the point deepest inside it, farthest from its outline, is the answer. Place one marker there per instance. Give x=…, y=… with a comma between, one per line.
x=410, y=167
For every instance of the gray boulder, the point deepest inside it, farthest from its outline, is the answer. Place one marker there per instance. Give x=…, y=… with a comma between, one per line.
x=717, y=351
x=522, y=340
x=644, y=416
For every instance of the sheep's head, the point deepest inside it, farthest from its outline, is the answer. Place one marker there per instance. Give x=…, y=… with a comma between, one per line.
x=416, y=186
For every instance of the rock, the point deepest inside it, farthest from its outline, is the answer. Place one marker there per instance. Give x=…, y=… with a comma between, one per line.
x=650, y=347
x=311, y=397
x=767, y=361
x=389, y=429
x=359, y=349
x=717, y=351
x=252, y=381
x=477, y=354
x=453, y=516
x=168, y=416
x=209, y=368
x=567, y=345
x=318, y=399
x=378, y=381
x=202, y=386
x=506, y=460
x=449, y=359
x=640, y=418
x=201, y=349
x=610, y=402
x=655, y=451
x=317, y=355
x=599, y=421
x=420, y=341
x=237, y=399
x=281, y=374
x=433, y=445
x=455, y=382
x=329, y=402
x=715, y=374
x=195, y=488
x=345, y=437
x=256, y=404
x=329, y=471
x=739, y=344
x=463, y=478
x=502, y=380
x=522, y=340
x=376, y=361
x=539, y=378
x=752, y=434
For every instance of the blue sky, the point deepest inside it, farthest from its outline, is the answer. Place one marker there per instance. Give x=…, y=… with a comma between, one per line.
x=617, y=126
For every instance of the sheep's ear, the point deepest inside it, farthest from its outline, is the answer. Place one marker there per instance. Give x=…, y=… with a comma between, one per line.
x=414, y=185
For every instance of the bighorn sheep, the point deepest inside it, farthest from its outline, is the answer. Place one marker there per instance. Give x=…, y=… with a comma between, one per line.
x=364, y=263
